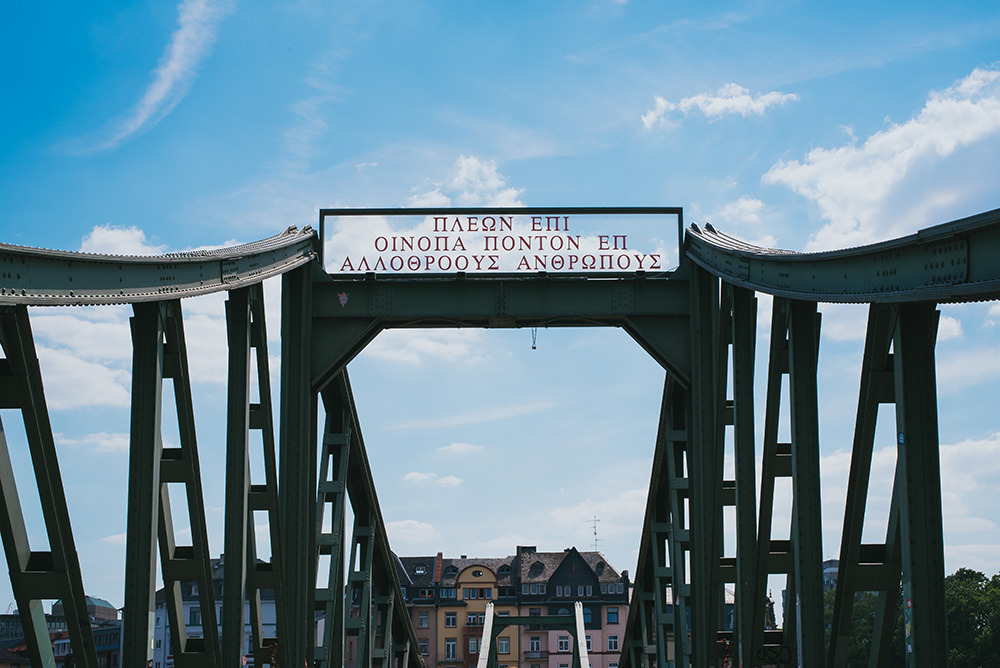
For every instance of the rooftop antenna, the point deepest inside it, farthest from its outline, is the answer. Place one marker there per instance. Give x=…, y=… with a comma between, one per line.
x=597, y=540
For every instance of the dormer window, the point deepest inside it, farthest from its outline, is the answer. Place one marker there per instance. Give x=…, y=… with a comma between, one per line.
x=451, y=571
x=477, y=573
x=420, y=569
x=504, y=571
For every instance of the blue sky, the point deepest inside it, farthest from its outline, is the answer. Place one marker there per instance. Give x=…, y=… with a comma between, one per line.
x=150, y=127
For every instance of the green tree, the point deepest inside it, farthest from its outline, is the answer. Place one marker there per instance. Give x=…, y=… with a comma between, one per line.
x=965, y=595
x=863, y=628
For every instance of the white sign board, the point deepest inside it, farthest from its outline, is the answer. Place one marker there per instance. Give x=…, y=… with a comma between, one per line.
x=491, y=241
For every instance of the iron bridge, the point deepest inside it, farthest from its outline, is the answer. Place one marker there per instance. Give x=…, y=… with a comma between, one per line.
x=697, y=321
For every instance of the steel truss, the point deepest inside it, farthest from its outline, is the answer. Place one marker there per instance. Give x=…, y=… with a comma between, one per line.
x=698, y=323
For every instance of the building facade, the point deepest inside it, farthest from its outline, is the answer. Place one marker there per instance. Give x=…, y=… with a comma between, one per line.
x=447, y=600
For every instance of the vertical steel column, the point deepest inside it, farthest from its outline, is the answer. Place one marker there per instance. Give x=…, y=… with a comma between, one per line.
x=159, y=353
x=678, y=454
x=237, y=476
x=297, y=488
x=359, y=586
x=807, y=537
x=145, y=448
x=332, y=496
x=35, y=575
x=878, y=570
x=705, y=511
x=920, y=485
x=748, y=597
x=264, y=497
x=773, y=556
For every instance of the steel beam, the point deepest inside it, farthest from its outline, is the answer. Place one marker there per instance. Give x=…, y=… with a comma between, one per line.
x=748, y=597
x=807, y=536
x=920, y=486
x=38, y=575
x=349, y=313
x=297, y=474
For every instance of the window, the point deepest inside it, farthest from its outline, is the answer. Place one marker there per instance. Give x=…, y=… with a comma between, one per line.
x=588, y=616
x=588, y=642
x=541, y=588
x=477, y=573
x=158, y=643
x=503, y=613
x=621, y=587
x=503, y=645
x=534, y=589
x=473, y=645
x=447, y=592
x=534, y=612
x=470, y=619
x=604, y=588
x=563, y=643
x=451, y=648
x=535, y=644
x=423, y=619
x=612, y=643
x=590, y=590
x=558, y=590
x=612, y=615
x=612, y=665
x=423, y=645
x=486, y=593
x=468, y=593
x=450, y=619
x=451, y=571
x=194, y=617
x=504, y=571
x=159, y=620
x=420, y=569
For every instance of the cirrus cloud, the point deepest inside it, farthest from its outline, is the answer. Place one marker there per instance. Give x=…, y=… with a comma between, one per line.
x=730, y=98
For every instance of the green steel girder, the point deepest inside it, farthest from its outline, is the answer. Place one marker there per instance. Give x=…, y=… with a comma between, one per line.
x=349, y=313
x=42, y=277
x=297, y=467
x=952, y=262
x=245, y=578
x=37, y=575
x=382, y=627
x=794, y=346
x=748, y=597
x=159, y=353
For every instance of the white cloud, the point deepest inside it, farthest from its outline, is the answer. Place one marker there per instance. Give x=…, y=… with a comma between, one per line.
x=745, y=213
x=967, y=367
x=417, y=476
x=443, y=481
x=731, y=98
x=949, y=328
x=71, y=382
x=197, y=23
x=116, y=539
x=851, y=184
x=114, y=240
x=404, y=532
x=414, y=347
x=472, y=182
x=460, y=449
x=100, y=442
x=478, y=417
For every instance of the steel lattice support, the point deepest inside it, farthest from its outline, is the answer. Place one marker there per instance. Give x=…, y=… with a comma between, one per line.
x=245, y=578
x=913, y=548
x=748, y=597
x=159, y=353
x=297, y=472
x=793, y=354
x=332, y=504
x=38, y=575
